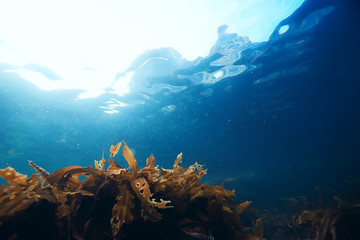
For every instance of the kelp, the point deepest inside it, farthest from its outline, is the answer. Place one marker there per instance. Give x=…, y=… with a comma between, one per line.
x=310, y=219
x=340, y=222
x=116, y=203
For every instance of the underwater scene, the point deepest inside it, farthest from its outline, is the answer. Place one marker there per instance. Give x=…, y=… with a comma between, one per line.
x=257, y=139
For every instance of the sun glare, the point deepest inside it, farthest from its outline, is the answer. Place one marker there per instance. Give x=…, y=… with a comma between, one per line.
x=87, y=43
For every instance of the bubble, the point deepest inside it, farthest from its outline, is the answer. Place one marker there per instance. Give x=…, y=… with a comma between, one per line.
x=284, y=29
x=168, y=108
x=207, y=92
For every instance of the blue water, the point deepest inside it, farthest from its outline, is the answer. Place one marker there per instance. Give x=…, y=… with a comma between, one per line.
x=279, y=117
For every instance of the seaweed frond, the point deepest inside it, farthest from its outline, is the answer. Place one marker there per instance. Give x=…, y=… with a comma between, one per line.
x=12, y=177
x=114, y=149
x=129, y=156
x=110, y=203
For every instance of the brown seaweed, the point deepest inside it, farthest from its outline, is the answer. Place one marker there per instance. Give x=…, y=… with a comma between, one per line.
x=340, y=222
x=116, y=203
x=12, y=177
x=310, y=219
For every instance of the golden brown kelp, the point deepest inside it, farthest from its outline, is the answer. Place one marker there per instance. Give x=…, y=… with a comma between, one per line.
x=117, y=203
x=308, y=219
x=340, y=222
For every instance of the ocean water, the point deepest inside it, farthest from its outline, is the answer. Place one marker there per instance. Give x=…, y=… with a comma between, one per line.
x=281, y=118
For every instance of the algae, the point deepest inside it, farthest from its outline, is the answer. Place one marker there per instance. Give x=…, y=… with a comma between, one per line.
x=119, y=203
